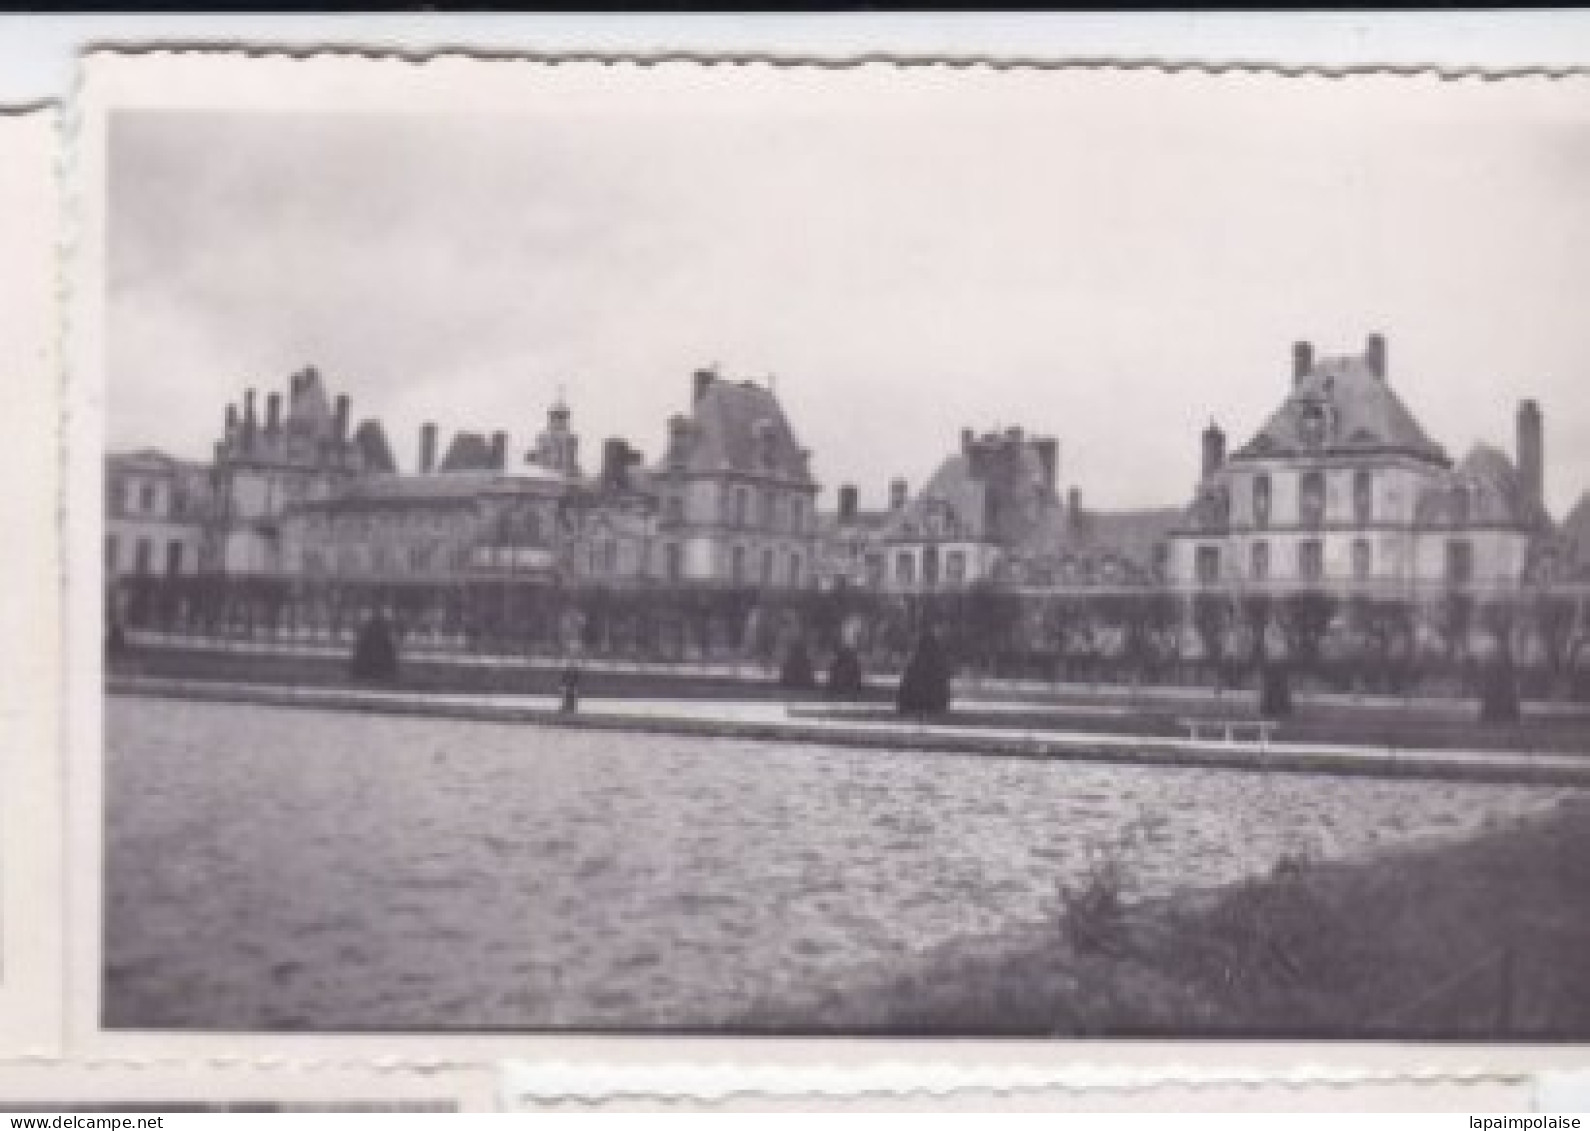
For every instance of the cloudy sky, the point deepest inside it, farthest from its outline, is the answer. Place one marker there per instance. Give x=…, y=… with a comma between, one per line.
x=1113, y=261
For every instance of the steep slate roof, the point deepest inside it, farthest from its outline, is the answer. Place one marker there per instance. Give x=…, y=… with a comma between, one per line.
x=1574, y=533
x=1369, y=415
x=1495, y=494
x=370, y=438
x=469, y=451
x=456, y=489
x=727, y=425
x=1002, y=501
x=1133, y=535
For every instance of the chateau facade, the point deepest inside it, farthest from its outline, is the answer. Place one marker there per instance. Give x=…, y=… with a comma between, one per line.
x=1342, y=489
x=737, y=497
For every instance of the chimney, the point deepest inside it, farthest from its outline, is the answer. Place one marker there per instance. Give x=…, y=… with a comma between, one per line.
x=897, y=494
x=847, y=503
x=1214, y=449
x=250, y=421
x=339, y=422
x=427, y=448
x=499, y=451
x=703, y=380
x=1375, y=355
x=1531, y=455
x=615, y=463
x=231, y=420
x=968, y=437
x=1048, y=449
x=1074, y=500
x=1302, y=361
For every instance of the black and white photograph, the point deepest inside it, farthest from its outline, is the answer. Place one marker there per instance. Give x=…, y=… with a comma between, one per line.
x=910, y=551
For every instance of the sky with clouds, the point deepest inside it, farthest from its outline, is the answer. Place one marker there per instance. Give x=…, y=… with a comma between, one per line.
x=1112, y=261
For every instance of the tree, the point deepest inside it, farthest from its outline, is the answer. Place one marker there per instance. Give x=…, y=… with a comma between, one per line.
x=1383, y=638
x=1212, y=620
x=1499, y=680
x=1305, y=619
x=925, y=685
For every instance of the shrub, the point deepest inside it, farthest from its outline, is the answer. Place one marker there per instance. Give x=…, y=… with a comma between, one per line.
x=925, y=684
x=844, y=675
x=796, y=673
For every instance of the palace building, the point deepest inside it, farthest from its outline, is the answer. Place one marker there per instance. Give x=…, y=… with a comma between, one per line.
x=736, y=491
x=1341, y=488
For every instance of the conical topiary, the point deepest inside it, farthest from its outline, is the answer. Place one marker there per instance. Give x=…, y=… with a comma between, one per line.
x=796, y=673
x=925, y=685
x=844, y=674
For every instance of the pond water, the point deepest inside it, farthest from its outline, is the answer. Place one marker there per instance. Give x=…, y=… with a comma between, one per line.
x=272, y=868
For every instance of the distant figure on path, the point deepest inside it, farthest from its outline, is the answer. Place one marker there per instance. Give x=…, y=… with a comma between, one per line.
x=570, y=684
x=925, y=686
x=375, y=656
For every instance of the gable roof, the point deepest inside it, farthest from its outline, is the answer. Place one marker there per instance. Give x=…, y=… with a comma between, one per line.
x=1364, y=414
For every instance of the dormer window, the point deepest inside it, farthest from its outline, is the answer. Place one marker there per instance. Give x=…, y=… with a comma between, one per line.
x=1311, y=429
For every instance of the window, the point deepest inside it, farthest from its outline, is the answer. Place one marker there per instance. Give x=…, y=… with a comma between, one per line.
x=1363, y=559
x=1459, y=562
x=146, y=498
x=1311, y=500
x=1260, y=561
x=112, y=555
x=874, y=569
x=672, y=562
x=674, y=508
x=314, y=560
x=1312, y=427
x=767, y=567
x=737, y=565
x=1363, y=497
x=609, y=556
x=905, y=569
x=1311, y=560
x=1261, y=500
x=797, y=514
x=420, y=558
x=769, y=516
x=795, y=569
x=1460, y=505
x=115, y=496
x=955, y=567
x=930, y=566
x=173, y=558
x=741, y=505
x=142, y=554
x=1208, y=565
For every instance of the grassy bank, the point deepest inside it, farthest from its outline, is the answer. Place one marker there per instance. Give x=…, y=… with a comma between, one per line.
x=1484, y=939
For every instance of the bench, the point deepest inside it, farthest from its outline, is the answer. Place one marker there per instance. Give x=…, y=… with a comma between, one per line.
x=1231, y=730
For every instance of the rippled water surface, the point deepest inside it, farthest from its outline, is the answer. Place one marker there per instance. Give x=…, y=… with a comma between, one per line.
x=274, y=868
